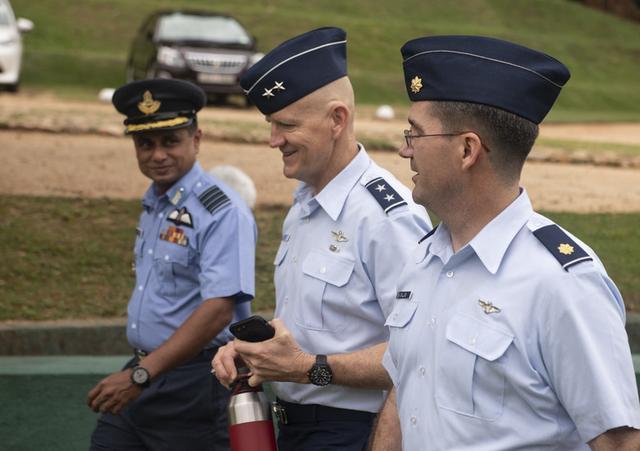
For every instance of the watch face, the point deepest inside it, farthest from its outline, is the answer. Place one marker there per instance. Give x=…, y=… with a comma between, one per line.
x=320, y=375
x=140, y=376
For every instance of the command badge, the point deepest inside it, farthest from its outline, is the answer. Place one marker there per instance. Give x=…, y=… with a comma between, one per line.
x=565, y=249
x=416, y=84
x=488, y=307
x=174, y=235
x=148, y=105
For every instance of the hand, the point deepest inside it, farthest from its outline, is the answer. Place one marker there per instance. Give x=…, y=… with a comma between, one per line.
x=224, y=365
x=278, y=359
x=113, y=393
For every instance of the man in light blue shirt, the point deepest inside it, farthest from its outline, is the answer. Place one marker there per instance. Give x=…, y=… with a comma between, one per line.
x=194, y=267
x=506, y=332
x=343, y=242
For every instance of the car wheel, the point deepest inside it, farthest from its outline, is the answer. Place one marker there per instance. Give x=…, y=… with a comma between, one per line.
x=13, y=87
x=218, y=99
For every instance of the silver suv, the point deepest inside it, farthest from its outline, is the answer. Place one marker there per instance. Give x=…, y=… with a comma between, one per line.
x=11, y=46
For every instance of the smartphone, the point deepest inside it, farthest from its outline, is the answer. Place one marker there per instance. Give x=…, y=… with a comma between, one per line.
x=253, y=329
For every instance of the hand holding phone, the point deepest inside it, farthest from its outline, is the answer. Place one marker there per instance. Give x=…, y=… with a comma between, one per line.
x=253, y=329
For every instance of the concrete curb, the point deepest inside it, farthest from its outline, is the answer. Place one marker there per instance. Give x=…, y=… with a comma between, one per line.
x=107, y=337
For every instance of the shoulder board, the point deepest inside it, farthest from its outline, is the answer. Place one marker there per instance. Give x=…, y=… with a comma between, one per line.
x=384, y=194
x=431, y=232
x=213, y=198
x=561, y=246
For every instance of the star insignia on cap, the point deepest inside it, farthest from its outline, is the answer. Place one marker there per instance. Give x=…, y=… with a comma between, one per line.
x=148, y=104
x=279, y=86
x=268, y=93
x=380, y=188
x=565, y=249
x=488, y=307
x=389, y=197
x=416, y=84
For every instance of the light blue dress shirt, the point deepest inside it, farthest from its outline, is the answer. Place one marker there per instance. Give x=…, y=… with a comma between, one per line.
x=498, y=347
x=205, y=254
x=336, y=271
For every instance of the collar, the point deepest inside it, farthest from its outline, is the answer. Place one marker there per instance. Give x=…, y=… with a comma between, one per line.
x=334, y=195
x=491, y=243
x=178, y=192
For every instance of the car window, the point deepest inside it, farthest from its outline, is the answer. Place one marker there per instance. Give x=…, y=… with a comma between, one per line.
x=186, y=27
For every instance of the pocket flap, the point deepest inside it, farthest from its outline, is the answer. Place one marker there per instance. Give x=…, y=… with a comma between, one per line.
x=172, y=253
x=328, y=268
x=401, y=314
x=478, y=337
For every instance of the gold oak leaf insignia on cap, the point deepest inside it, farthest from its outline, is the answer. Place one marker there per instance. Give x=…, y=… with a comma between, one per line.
x=148, y=105
x=565, y=249
x=416, y=84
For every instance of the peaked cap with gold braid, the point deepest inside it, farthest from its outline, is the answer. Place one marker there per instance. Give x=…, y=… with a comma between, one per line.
x=158, y=104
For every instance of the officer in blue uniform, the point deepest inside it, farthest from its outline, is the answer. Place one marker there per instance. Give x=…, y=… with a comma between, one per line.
x=343, y=244
x=507, y=332
x=194, y=268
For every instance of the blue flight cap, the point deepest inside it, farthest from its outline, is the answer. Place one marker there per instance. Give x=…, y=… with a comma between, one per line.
x=483, y=70
x=158, y=104
x=295, y=68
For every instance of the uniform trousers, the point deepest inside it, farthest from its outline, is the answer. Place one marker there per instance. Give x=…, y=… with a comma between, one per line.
x=184, y=409
x=313, y=427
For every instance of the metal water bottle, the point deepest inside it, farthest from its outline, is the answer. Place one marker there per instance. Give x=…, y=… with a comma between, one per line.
x=250, y=423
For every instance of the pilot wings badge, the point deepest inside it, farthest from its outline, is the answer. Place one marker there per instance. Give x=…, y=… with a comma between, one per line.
x=488, y=307
x=181, y=216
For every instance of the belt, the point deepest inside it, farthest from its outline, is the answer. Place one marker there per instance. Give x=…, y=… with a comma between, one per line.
x=290, y=413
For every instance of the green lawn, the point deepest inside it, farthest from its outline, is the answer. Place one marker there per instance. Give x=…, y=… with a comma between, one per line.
x=79, y=46
x=71, y=258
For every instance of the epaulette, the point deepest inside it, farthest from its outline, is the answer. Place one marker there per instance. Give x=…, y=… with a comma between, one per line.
x=561, y=246
x=213, y=198
x=431, y=232
x=384, y=194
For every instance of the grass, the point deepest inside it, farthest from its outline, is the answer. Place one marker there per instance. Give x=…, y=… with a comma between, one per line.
x=71, y=258
x=79, y=46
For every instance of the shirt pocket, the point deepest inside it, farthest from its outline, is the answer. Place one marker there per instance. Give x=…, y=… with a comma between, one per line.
x=324, y=299
x=470, y=370
x=175, y=276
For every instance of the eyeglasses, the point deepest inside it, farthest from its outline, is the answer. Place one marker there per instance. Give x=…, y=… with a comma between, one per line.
x=408, y=136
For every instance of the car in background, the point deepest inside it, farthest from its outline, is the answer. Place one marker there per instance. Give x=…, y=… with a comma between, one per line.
x=209, y=49
x=11, y=46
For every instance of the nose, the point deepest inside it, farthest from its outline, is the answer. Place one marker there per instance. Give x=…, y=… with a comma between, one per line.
x=159, y=153
x=405, y=151
x=276, y=139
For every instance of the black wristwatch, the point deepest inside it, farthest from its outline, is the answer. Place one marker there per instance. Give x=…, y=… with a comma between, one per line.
x=320, y=373
x=140, y=377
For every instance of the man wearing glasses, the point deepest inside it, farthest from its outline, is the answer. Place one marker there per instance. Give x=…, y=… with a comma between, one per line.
x=509, y=333
x=345, y=239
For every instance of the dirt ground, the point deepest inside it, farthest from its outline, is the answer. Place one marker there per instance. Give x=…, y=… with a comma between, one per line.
x=102, y=164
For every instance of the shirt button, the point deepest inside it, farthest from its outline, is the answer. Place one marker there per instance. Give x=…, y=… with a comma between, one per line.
x=140, y=288
x=414, y=420
x=295, y=259
x=198, y=184
x=323, y=270
x=166, y=258
x=423, y=371
x=150, y=251
x=433, y=321
x=472, y=341
x=449, y=274
x=159, y=215
x=133, y=325
x=181, y=190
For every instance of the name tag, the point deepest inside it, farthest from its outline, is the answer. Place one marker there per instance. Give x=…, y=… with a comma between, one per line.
x=404, y=295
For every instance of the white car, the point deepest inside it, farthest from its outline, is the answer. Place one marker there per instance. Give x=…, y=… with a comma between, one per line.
x=11, y=46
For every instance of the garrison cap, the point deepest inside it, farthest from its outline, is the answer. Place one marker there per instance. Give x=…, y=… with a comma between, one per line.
x=295, y=68
x=483, y=70
x=158, y=104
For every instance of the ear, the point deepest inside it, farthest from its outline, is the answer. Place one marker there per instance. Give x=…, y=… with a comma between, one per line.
x=197, y=136
x=471, y=151
x=339, y=116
